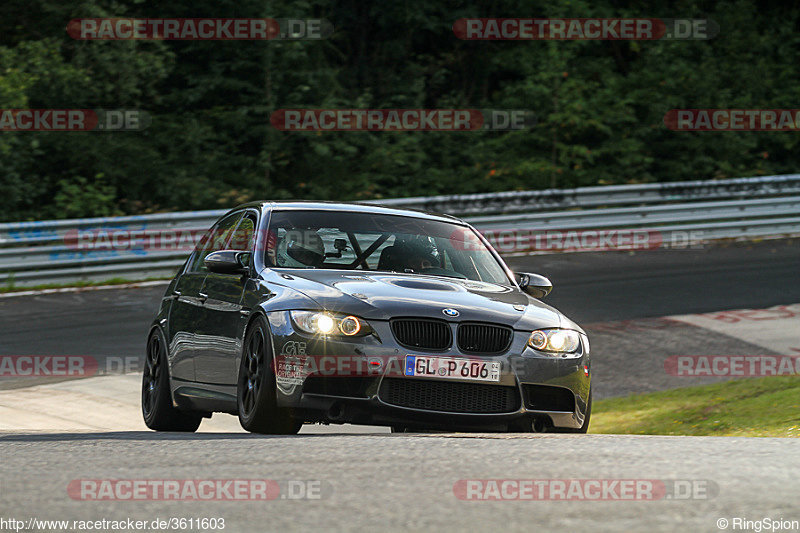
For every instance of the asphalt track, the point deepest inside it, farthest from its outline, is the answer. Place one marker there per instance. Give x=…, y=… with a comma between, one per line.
x=599, y=287
x=396, y=482
x=406, y=482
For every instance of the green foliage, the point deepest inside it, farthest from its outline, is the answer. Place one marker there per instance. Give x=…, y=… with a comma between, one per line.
x=600, y=105
x=79, y=195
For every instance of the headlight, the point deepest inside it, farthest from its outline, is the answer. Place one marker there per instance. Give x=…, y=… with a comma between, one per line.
x=322, y=323
x=554, y=340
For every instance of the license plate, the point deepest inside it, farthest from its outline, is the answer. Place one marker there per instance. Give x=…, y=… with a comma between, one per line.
x=452, y=368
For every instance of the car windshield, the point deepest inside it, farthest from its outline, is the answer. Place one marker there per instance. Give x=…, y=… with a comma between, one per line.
x=378, y=242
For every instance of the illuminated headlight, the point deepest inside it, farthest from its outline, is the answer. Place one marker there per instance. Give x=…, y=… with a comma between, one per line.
x=554, y=340
x=322, y=323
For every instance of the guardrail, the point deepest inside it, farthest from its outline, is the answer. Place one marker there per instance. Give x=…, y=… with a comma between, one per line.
x=612, y=195
x=680, y=212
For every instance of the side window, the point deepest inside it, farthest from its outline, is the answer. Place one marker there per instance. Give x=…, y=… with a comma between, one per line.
x=244, y=235
x=215, y=239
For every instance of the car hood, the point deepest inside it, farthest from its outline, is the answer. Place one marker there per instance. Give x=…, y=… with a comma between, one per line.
x=384, y=295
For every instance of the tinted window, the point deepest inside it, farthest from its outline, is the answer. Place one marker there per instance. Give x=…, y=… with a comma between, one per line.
x=242, y=238
x=215, y=239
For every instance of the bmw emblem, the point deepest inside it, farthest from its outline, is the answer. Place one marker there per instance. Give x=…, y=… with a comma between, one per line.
x=450, y=312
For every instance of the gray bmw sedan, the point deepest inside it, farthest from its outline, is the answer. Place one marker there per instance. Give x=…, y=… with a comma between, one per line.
x=296, y=312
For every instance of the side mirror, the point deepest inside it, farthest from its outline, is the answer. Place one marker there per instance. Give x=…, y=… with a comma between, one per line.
x=534, y=284
x=228, y=262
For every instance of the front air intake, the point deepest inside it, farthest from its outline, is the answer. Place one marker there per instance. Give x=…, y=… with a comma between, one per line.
x=484, y=338
x=452, y=397
x=422, y=334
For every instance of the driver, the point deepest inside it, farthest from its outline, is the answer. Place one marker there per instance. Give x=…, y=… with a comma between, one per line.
x=421, y=260
x=300, y=248
x=418, y=256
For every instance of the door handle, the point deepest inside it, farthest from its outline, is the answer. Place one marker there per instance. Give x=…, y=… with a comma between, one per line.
x=203, y=297
x=176, y=294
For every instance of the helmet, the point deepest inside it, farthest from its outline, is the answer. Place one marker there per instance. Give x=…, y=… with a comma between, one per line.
x=300, y=248
x=418, y=249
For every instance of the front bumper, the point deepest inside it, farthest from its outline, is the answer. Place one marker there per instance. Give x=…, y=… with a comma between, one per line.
x=360, y=381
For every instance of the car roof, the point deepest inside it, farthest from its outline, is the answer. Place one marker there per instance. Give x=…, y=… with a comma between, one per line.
x=353, y=207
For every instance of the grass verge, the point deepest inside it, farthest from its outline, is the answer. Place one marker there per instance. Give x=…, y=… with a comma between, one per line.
x=753, y=407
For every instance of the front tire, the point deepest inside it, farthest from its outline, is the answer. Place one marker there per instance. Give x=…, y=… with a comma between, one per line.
x=157, y=409
x=256, y=393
